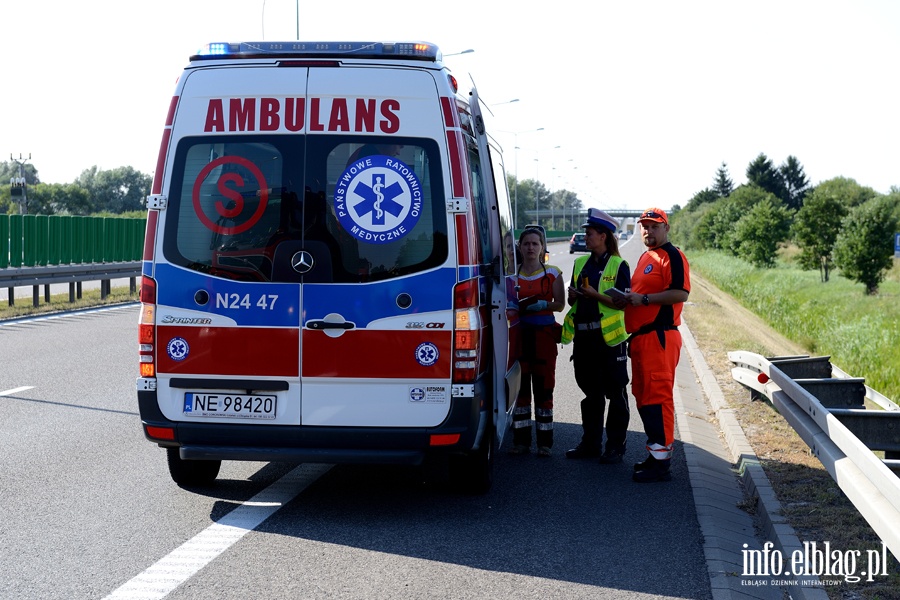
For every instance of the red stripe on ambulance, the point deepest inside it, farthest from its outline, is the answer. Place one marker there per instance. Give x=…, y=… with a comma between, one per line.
x=362, y=354
x=164, y=148
x=150, y=235
x=249, y=351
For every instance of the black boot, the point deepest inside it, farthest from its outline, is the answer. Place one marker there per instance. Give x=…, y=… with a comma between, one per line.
x=658, y=471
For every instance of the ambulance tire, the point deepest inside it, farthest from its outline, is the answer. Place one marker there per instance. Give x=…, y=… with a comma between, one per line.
x=473, y=473
x=191, y=473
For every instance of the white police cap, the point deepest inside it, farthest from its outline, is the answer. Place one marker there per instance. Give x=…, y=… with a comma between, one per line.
x=598, y=217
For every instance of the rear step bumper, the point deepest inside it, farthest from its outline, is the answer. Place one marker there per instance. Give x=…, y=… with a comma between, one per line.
x=316, y=444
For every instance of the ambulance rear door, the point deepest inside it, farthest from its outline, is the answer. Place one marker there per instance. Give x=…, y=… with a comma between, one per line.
x=376, y=320
x=491, y=184
x=228, y=302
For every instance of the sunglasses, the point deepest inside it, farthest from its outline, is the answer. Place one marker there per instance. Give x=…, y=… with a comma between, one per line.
x=651, y=215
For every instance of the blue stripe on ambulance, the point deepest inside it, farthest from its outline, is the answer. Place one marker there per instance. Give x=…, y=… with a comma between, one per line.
x=249, y=304
x=361, y=304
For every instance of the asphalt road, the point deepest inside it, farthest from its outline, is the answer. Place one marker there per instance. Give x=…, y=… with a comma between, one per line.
x=87, y=508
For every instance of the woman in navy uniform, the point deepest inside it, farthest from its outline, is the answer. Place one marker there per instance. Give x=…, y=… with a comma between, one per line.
x=600, y=355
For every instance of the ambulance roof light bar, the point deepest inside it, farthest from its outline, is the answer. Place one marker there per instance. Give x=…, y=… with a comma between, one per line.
x=397, y=50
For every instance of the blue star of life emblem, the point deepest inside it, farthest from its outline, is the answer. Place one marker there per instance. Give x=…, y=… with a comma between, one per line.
x=177, y=348
x=427, y=354
x=378, y=199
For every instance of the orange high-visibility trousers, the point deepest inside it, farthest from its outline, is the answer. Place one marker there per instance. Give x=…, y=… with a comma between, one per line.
x=652, y=382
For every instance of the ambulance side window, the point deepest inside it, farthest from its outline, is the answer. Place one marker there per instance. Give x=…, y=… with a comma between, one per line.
x=480, y=204
x=503, y=207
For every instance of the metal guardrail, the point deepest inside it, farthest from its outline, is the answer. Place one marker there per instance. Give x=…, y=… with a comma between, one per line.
x=826, y=408
x=74, y=275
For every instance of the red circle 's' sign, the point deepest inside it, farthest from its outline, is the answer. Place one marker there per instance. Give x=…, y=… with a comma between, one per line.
x=231, y=192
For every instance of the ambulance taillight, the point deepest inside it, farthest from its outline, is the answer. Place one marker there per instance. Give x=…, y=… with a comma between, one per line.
x=466, y=332
x=147, y=328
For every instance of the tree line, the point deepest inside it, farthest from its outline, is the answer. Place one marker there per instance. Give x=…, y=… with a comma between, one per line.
x=123, y=190
x=532, y=195
x=835, y=224
x=94, y=191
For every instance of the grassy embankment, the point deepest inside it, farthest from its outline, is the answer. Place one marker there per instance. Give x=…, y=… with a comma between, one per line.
x=799, y=315
x=60, y=302
x=861, y=333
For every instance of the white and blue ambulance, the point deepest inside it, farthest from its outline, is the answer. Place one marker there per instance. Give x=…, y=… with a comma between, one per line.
x=327, y=264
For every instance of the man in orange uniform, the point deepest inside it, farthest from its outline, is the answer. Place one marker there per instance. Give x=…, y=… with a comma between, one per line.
x=660, y=284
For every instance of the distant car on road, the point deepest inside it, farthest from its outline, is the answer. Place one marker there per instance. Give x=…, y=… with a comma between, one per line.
x=624, y=235
x=576, y=244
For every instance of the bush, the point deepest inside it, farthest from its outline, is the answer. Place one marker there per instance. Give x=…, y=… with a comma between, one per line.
x=864, y=248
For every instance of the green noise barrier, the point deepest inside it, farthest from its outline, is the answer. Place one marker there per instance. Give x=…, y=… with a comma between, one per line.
x=49, y=240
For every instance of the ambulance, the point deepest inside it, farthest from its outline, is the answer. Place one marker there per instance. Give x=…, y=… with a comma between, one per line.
x=328, y=271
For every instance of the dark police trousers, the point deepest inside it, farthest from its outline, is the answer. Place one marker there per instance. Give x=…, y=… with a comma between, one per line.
x=601, y=372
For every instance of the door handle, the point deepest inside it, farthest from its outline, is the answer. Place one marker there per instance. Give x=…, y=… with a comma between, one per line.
x=329, y=325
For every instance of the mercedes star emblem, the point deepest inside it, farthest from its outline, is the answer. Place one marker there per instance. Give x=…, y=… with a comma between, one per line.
x=302, y=262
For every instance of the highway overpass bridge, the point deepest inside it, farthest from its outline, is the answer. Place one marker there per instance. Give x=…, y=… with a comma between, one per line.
x=569, y=219
x=546, y=213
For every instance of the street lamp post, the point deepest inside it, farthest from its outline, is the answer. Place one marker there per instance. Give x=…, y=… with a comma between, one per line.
x=556, y=182
x=516, y=149
x=19, y=187
x=537, y=191
x=469, y=51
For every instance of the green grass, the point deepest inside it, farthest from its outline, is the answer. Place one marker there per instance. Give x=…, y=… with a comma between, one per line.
x=60, y=302
x=861, y=333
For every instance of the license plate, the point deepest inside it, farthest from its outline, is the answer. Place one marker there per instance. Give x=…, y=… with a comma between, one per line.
x=234, y=406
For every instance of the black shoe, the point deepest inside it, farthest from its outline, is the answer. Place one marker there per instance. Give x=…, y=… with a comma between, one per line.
x=582, y=451
x=611, y=457
x=648, y=463
x=653, y=474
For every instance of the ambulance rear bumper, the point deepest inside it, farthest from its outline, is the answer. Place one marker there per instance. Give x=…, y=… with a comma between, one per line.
x=317, y=444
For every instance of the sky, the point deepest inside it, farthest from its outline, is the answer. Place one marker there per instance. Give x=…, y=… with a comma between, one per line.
x=639, y=103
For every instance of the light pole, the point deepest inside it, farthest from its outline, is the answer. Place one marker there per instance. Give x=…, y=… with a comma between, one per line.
x=556, y=182
x=552, y=203
x=516, y=149
x=537, y=191
x=469, y=51
x=18, y=185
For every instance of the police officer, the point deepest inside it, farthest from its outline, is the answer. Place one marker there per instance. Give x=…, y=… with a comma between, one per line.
x=598, y=329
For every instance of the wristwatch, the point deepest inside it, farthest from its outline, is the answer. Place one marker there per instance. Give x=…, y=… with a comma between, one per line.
x=645, y=300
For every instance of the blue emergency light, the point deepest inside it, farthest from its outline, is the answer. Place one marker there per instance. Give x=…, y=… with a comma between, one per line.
x=404, y=50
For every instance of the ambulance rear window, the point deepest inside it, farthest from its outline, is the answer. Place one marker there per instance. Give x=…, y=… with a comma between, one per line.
x=365, y=209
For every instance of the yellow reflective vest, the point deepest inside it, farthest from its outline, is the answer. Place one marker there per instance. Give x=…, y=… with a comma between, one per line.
x=612, y=321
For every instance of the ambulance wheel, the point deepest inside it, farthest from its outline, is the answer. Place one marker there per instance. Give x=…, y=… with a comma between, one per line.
x=473, y=473
x=191, y=472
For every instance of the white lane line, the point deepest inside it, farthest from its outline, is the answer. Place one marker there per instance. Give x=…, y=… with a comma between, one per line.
x=185, y=561
x=16, y=390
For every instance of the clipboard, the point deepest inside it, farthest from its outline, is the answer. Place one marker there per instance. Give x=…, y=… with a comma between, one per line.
x=615, y=293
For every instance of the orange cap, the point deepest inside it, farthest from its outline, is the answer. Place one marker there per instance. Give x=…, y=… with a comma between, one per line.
x=654, y=214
